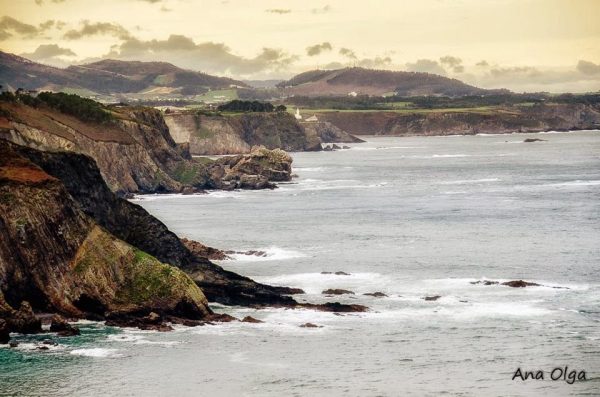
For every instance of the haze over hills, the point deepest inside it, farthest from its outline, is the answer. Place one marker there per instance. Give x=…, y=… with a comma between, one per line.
x=109, y=77
x=376, y=82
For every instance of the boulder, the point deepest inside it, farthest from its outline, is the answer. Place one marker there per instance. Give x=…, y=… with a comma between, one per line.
x=376, y=294
x=485, y=282
x=249, y=319
x=528, y=140
x=310, y=325
x=336, y=291
x=520, y=284
x=4, y=332
x=432, y=298
x=62, y=327
x=24, y=320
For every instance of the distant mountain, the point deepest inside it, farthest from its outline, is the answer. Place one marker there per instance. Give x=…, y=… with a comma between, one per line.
x=109, y=77
x=376, y=82
x=263, y=83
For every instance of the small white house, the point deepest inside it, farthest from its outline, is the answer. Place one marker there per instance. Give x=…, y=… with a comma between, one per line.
x=312, y=118
x=297, y=115
x=352, y=93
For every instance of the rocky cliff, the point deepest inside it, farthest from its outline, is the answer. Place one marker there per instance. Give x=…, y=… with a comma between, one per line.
x=57, y=257
x=134, y=150
x=541, y=117
x=234, y=134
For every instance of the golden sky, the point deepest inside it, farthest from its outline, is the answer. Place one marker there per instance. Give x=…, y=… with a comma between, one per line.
x=551, y=45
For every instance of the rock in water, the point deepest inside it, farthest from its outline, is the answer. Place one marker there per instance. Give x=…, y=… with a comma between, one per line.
x=520, y=284
x=336, y=291
x=24, y=320
x=528, y=140
x=376, y=294
x=432, y=298
x=60, y=325
x=249, y=319
x=4, y=332
x=310, y=325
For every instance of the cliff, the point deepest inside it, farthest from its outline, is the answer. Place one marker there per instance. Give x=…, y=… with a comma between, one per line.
x=507, y=119
x=134, y=150
x=234, y=134
x=58, y=258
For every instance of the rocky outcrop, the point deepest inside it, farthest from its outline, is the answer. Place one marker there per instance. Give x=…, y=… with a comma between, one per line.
x=55, y=257
x=235, y=134
x=134, y=152
x=540, y=117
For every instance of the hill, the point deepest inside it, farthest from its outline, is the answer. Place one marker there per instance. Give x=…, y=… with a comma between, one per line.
x=375, y=82
x=109, y=77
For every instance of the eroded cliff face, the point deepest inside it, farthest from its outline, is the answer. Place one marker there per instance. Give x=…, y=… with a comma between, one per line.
x=135, y=152
x=498, y=121
x=98, y=206
x=57, y=257
x=235, y=134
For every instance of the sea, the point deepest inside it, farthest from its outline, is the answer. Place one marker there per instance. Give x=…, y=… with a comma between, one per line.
x=410, y=217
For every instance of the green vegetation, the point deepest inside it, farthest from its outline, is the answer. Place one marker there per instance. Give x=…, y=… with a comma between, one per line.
x=83, y=108
x=217, y=96
x=247, y=106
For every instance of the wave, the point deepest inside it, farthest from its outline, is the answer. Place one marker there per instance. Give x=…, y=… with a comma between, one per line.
x=467, y=181
x=95, y=352
x=272, y=254
x=575, y=183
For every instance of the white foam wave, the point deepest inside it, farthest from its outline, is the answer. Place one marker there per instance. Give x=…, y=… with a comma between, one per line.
x=575, y=183
x=272, y=254
x=315, y=283
x=466, y=181
x=96, y=352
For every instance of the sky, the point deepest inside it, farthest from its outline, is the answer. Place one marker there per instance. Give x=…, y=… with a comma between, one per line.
x=522, y=45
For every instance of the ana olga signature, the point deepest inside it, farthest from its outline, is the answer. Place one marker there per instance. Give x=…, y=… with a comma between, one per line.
x=558, y=373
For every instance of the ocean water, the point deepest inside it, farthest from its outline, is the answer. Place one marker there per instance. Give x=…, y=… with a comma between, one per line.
x=409, y=217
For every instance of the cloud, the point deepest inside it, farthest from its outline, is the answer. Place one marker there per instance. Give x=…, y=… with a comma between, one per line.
x=98, y=28
x=318, y=48
x=427, y=66
x=10, y=26
x=151, y=1
x=347, y=53
x=376, y=62
x=165, y=9
x=516, y=72
x=588, y=68
x=50, y=54
x=208, y=57
x=483, y=63
x=322, y=10
x=452, y=62
x=278, y=11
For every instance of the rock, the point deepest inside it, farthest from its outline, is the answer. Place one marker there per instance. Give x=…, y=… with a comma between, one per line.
x=520, y=284
x=336, y=291
x=432, y=298
x=337, y=273
x=4, y=332
x=327, y=148
x=220, y=318
x=534, y=140
x=42, y=347
x=62, y=327
x=204, y=251
x=335, y=147
x=13, y=344
x=346, y=147
x=153, y=318
x=24, y=320
x=310, y=325
x=249, y=319
x=376, y=294
x=335, y=307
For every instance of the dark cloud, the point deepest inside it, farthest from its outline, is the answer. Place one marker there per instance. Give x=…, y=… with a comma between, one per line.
x=278, y=11
x=98, y=28
x=322, y=10
x=209, y=57
x=588, y=68
x=318, y=48
x=483, y=63
x=10, y=26
x=46, y=51
x=347, y=53
x=426, y=65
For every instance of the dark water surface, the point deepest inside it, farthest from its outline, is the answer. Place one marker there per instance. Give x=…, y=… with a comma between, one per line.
x=410, y=217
